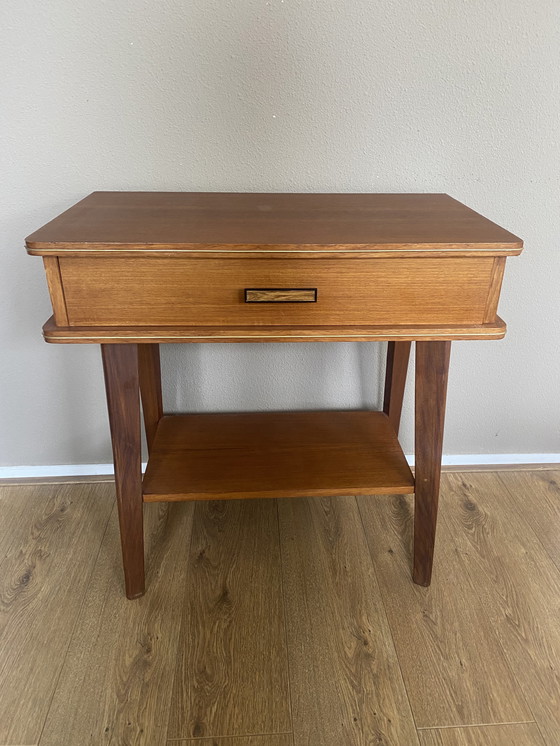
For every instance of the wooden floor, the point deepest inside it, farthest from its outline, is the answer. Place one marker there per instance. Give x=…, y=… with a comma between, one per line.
x=283, y=622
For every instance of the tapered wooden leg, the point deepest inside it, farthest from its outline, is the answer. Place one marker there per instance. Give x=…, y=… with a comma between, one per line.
x=150, y=389
x=120, y=365
x=432, y=365
x=398, y=354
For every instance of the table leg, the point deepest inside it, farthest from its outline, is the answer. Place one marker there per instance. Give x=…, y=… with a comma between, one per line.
x=432, y=364
x=398, y=354
x=150, y=389
x=120, y=366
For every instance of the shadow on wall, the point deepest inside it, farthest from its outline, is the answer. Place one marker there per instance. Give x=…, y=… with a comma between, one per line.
x=256, y=377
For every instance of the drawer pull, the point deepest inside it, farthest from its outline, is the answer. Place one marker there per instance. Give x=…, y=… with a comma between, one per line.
x=280, y=295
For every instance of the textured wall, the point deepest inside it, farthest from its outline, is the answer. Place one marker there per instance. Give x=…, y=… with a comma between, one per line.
x=281, y=95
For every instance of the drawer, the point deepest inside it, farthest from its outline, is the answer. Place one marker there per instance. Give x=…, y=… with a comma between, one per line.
x=183, y=291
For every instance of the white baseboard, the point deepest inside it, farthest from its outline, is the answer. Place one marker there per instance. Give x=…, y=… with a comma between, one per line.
x=57, y=470
x=496, y=459
x=463, y=460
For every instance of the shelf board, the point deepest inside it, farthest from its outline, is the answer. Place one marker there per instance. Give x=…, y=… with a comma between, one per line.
x=275, y=454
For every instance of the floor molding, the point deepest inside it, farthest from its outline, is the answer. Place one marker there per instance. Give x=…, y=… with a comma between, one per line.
x=61, y=473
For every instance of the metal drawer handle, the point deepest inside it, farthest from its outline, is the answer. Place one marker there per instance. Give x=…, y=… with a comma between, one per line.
x=280, y=295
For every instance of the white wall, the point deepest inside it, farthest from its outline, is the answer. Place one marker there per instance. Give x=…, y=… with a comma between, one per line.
x=281, y=95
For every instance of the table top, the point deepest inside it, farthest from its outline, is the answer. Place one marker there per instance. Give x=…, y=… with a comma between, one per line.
x=183, y=222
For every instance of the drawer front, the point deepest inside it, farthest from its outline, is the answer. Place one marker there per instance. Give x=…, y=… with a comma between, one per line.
x=143, y=291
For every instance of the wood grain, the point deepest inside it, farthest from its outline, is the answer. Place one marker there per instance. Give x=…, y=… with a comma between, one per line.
x=115, y=686
x=263, y=740
x=114, y=291
x=485, y=630
x=537, y=498
x=398, y=354
x=274, y=454
x=453, y=666
x=120, y=367
x=116, y=335
x=432, y=367
x=149, y=370
x=495, y=288
x=345, y=680
x=231, y=676
x=49, y=540
x=518, y=584
x=518, y=734
x=277, y=295
x=179, y=221
x=56, y=291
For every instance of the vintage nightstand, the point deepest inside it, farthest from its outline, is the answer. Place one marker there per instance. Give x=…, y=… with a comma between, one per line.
x=130, y=271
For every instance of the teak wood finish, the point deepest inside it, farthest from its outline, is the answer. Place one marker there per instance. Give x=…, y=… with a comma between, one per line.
x=280, y=295
x=162, y=334
x=432, y=365
x=103, y=291
x=149, y=370
x=398, y=354
x=120, y=366
x=132, y=270
x=280, y=454
x=159, y=223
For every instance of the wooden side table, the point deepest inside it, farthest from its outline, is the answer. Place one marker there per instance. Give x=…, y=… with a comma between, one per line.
x=131, y=271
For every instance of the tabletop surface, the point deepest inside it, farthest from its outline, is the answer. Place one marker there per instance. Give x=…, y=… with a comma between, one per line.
x=191, y=221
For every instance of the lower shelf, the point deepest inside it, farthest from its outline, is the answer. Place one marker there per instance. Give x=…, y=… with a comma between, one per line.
x=275, y=454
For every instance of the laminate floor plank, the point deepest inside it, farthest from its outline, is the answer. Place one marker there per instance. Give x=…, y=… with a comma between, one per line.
x=253, y=608
x=115, y=686
x=264, y=740
x=345, y=680
x=452, y=663
x=231, y=676
x=518, y=584
x=537, y=497
x=49, y=538
x=518, y=734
